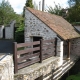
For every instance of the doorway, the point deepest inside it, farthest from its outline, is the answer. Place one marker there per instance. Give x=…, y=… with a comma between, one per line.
x=65, y=49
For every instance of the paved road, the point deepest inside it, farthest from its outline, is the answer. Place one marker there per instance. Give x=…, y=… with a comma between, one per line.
x=6, y=46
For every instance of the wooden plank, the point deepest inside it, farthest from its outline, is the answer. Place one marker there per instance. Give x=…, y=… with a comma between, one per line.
x=47, y=41
x=27, y=44
x=68, y=55
x=15, y=58
x=47, y=56
x=28, y=56
x=28, y=50
x=48, y=46
x=41, y=43
x=48, y=50
x=28, y=63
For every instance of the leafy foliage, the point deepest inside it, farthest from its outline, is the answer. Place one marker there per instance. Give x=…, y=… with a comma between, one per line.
x=74, y=12
x=29, y=3
x=19, y=34
x=7, y=13
x=74, y=77
x=73, y=2
x=76, y=23
x=56, y=10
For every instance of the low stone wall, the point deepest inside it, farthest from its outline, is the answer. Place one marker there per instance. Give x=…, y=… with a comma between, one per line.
x=6, y=68
x=38, y=69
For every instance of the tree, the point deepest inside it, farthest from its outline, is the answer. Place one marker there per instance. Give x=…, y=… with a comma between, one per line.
x=73, y=2
x=29, y=3
x=74, y=11
x=7, y=13
x=56, y=10
x=19, y=33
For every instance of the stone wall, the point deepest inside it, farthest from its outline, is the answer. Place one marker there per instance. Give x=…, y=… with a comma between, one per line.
x=75, y=46
x=9, y=30
x=6, y=68
x=38, y=69
x=1, y=31
x=35, y=27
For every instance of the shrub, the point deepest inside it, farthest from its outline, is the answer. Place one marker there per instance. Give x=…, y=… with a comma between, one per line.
x=19, y=34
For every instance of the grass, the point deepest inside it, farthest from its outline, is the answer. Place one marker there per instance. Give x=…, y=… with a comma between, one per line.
x=74, y=77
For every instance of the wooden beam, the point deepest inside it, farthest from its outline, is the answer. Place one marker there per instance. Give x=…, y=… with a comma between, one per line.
x=15, y=58
x=55, y=47
x=41, y=43
x=68, y=55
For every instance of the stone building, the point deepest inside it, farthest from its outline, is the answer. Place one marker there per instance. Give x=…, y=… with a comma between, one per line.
x=43, y=25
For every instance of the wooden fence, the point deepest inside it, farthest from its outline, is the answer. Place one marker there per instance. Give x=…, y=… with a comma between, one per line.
x=28, y=53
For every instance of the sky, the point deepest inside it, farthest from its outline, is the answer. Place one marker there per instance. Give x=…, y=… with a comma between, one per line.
x=18, y=5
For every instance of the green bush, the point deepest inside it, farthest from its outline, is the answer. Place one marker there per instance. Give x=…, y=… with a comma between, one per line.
x=74, y=77
x=19, y=34
x=76, y=23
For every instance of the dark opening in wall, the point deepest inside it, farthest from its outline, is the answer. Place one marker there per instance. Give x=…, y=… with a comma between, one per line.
x=35, y=38
x=4, y=33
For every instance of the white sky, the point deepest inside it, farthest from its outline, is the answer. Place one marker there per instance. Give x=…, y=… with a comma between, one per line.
x=19, y=4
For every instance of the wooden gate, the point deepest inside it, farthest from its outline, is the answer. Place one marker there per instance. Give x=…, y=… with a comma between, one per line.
x=24, y=53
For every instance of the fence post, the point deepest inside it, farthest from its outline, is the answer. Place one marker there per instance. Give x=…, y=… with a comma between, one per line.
x=41, y=50
x=15, y=58
x=68, y=55
x=55, y=47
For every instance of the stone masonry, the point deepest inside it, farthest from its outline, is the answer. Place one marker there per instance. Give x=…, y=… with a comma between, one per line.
x=35, y=27
x=6, y=67
x=75, y=46
x=9, y=31
x=36, y=70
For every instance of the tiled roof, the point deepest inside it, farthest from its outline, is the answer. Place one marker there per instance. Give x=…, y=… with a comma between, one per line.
x=58, y=24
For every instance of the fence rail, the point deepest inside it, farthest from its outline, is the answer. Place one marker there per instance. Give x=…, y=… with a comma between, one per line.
x=28, y=53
